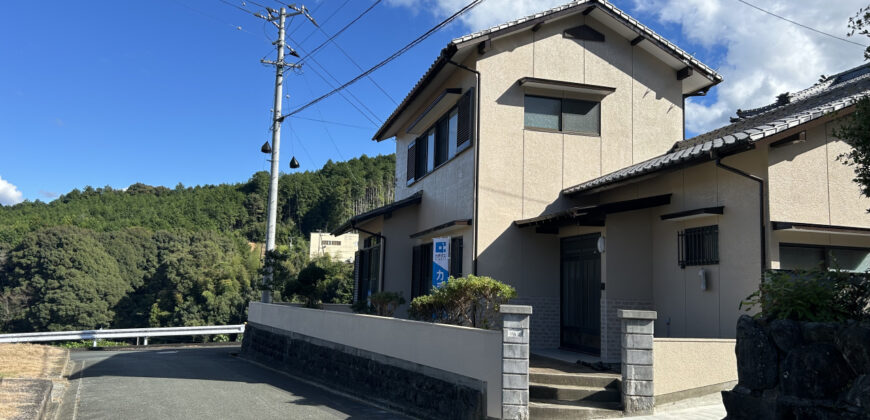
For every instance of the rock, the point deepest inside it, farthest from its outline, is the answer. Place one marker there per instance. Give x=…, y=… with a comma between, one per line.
x=756, y=356
x=786, y=334
x=743, y=405
x=819, y=332
x=854, y=343
x=814, y=371
x=859, y=394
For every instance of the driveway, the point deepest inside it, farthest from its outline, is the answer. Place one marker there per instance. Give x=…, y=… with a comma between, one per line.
x=195, y=383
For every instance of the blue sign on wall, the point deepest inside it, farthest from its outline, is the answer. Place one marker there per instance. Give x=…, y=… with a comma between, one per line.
x=440, y=261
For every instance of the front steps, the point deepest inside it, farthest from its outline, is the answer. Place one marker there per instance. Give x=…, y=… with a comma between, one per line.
x=561, y=390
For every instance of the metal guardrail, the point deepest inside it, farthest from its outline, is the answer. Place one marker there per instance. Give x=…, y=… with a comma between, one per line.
x=120, y=333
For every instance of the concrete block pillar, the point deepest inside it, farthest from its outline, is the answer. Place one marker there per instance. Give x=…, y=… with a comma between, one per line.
x=637, y=361
x=515, y=361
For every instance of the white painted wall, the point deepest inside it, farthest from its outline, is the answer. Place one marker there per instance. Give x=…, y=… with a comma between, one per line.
x=470, y=352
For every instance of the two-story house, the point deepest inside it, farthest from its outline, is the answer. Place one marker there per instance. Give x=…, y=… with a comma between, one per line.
x=550, y=150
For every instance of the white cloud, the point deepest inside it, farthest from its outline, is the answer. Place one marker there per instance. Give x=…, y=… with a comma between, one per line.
x=9, y=193
x=761, y=56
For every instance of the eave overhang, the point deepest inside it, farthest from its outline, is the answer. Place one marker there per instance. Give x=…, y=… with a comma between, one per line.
x=816, y=228
x=380, y=211
x=592, y=215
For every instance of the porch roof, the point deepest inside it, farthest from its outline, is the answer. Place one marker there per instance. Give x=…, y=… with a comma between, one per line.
x=816, y=228
x=592, y=215
x=351, y=223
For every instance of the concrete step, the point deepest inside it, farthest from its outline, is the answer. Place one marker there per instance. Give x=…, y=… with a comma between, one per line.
x=538, y=391
x=598, y=380
x=559, y=410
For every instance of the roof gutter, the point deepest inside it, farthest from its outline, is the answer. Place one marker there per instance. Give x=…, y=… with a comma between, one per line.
x=760, y=181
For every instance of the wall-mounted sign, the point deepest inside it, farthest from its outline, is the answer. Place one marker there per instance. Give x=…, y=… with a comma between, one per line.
x=440, y=260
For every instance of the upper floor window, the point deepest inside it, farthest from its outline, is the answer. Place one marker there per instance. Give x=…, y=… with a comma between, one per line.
x=563, y=114
x=448, y=136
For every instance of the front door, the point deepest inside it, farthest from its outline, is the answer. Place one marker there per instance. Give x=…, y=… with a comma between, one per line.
x=581, y=294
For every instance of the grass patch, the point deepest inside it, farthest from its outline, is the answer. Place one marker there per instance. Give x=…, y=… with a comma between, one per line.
x=90, y=343
x=26, y=361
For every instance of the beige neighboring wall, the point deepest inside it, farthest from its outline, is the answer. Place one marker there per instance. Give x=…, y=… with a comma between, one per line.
x=682, y=364
x=321, y=243
x=809, y=185
x=522, y=172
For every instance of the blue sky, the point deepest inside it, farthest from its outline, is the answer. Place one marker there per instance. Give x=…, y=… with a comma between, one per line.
x=167, y=91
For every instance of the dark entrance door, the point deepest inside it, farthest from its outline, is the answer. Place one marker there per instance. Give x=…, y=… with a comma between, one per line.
x=581, y=294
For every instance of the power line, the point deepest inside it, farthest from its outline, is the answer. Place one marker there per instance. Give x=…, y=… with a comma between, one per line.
x=800, y=24
x=401, y=51
x=371, y=79
x=331, y=122
x=328, y=18
x=330, y=38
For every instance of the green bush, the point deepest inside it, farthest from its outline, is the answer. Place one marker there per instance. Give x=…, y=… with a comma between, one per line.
x=381, y=303
x=818, y=295
x=470, y=301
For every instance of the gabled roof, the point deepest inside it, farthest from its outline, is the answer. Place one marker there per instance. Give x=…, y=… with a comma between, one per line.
x=463, y=45
x=833, y=94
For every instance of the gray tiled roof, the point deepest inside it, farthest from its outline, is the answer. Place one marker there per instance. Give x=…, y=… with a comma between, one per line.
x=451, y=48
x=837, y=93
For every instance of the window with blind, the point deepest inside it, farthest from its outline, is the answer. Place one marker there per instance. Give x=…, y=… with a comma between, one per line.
x=450, y=135
x=563, y=114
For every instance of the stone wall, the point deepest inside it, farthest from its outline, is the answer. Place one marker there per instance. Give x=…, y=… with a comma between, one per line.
x=801, y=370
x=611, y=325
x=420, y=391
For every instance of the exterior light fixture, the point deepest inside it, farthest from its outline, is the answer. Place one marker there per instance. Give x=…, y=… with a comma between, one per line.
x=266, y=148
x=702, y=274
x=601, y=245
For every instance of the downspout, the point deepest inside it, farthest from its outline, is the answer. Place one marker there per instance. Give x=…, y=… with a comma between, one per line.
x=383, y=251
x=475, y=223
x=760, y=182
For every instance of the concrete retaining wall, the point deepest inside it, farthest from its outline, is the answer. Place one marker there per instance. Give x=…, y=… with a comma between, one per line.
x=686, y=366
x=467, y=352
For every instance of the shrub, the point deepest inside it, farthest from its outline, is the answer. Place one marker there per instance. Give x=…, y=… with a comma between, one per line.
x=381, y=303
x=470, y=301
x=818, y=295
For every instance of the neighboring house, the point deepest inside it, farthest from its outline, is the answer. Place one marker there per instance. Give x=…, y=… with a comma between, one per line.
x=338, y=247
x=536, y=146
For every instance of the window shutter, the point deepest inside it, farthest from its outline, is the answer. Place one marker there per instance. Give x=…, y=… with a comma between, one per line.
x=456, y=256
x=356, y=261
x=411, y=167
x=466, y=118
x=422, y=156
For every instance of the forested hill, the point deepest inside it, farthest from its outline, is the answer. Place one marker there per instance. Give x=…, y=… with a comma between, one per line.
x=308, y=201
x=155, y=256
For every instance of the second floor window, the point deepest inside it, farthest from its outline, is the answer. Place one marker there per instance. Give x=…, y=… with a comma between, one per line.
x=563, y=114
x=448, y=136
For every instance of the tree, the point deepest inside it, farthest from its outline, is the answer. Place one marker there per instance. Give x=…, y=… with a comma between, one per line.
x=321, y=281
x=856, y=129
x=66, y=279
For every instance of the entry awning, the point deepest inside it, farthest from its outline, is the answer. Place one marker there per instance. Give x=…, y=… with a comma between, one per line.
x=442, y=228
x=815, y=228
x=591, y=215
x=380, y=211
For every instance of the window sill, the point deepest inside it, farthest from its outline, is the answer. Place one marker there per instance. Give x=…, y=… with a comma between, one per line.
x=573, y=133
x=465, y=146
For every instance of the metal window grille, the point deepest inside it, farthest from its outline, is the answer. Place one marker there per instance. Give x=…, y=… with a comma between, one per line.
x=698, y=246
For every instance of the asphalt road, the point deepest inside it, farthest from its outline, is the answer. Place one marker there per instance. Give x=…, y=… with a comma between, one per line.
x=195, y=383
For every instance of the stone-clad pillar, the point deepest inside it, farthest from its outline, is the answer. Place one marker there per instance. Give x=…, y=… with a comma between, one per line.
x=637, y=361
x=515, y=361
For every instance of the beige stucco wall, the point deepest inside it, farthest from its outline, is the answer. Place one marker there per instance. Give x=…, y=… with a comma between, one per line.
x=681, y=364
x=646, y=262
x=523, y=171
x=809, y=173
x=424, y=343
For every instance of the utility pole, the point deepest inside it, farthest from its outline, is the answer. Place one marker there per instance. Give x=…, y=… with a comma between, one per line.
x=277, y=18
